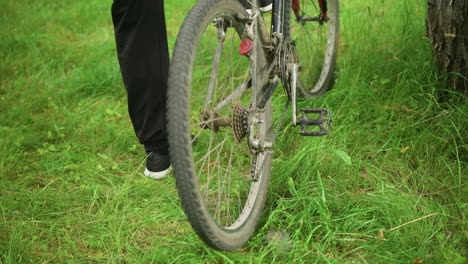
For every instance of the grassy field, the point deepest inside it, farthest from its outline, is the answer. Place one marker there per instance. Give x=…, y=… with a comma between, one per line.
x=387, y=186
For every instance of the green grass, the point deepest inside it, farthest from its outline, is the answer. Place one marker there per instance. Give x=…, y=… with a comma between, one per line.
x=71, y=188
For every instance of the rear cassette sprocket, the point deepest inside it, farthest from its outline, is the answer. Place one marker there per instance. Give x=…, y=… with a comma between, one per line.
x=239, y=121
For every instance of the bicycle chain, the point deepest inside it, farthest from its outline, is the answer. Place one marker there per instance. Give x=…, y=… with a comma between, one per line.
x=268, y=153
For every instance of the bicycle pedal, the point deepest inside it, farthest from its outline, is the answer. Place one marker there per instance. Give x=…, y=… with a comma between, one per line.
x=323, y=123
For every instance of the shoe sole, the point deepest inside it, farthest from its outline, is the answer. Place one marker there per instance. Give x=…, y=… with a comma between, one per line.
x=156, y=175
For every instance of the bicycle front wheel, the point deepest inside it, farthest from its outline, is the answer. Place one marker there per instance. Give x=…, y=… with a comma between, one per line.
x=316, y=42
x=222, y=182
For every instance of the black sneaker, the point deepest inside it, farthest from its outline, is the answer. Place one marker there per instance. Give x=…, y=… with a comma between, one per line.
x=157, y=166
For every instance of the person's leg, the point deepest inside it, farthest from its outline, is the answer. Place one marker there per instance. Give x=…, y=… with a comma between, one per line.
x=141, y=38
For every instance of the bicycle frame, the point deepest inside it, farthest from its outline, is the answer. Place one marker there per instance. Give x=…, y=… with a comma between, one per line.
x=264, y=57
x=275, y=39
x=278, y=17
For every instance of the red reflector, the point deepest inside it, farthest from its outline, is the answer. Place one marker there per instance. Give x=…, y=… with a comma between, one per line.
x=245, y=46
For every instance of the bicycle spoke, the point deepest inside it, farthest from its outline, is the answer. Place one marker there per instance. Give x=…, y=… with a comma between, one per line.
x=221, y=34
x=233, y=96
x=207, y=155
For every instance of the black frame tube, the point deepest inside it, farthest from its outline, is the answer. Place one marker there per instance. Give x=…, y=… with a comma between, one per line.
x=278, y=16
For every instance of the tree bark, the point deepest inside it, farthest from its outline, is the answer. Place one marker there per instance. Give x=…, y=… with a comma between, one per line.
x=447, y=29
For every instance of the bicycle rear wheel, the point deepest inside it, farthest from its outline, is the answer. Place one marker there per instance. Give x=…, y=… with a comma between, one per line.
x=209, y=94
x=316, y=39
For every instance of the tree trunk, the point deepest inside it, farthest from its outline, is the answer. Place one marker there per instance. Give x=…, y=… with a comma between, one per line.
x=447, y=29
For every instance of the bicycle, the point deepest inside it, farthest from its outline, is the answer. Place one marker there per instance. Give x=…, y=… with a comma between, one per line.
x=226, y=66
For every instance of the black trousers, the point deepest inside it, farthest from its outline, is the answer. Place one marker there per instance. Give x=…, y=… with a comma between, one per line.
x=141, y=38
